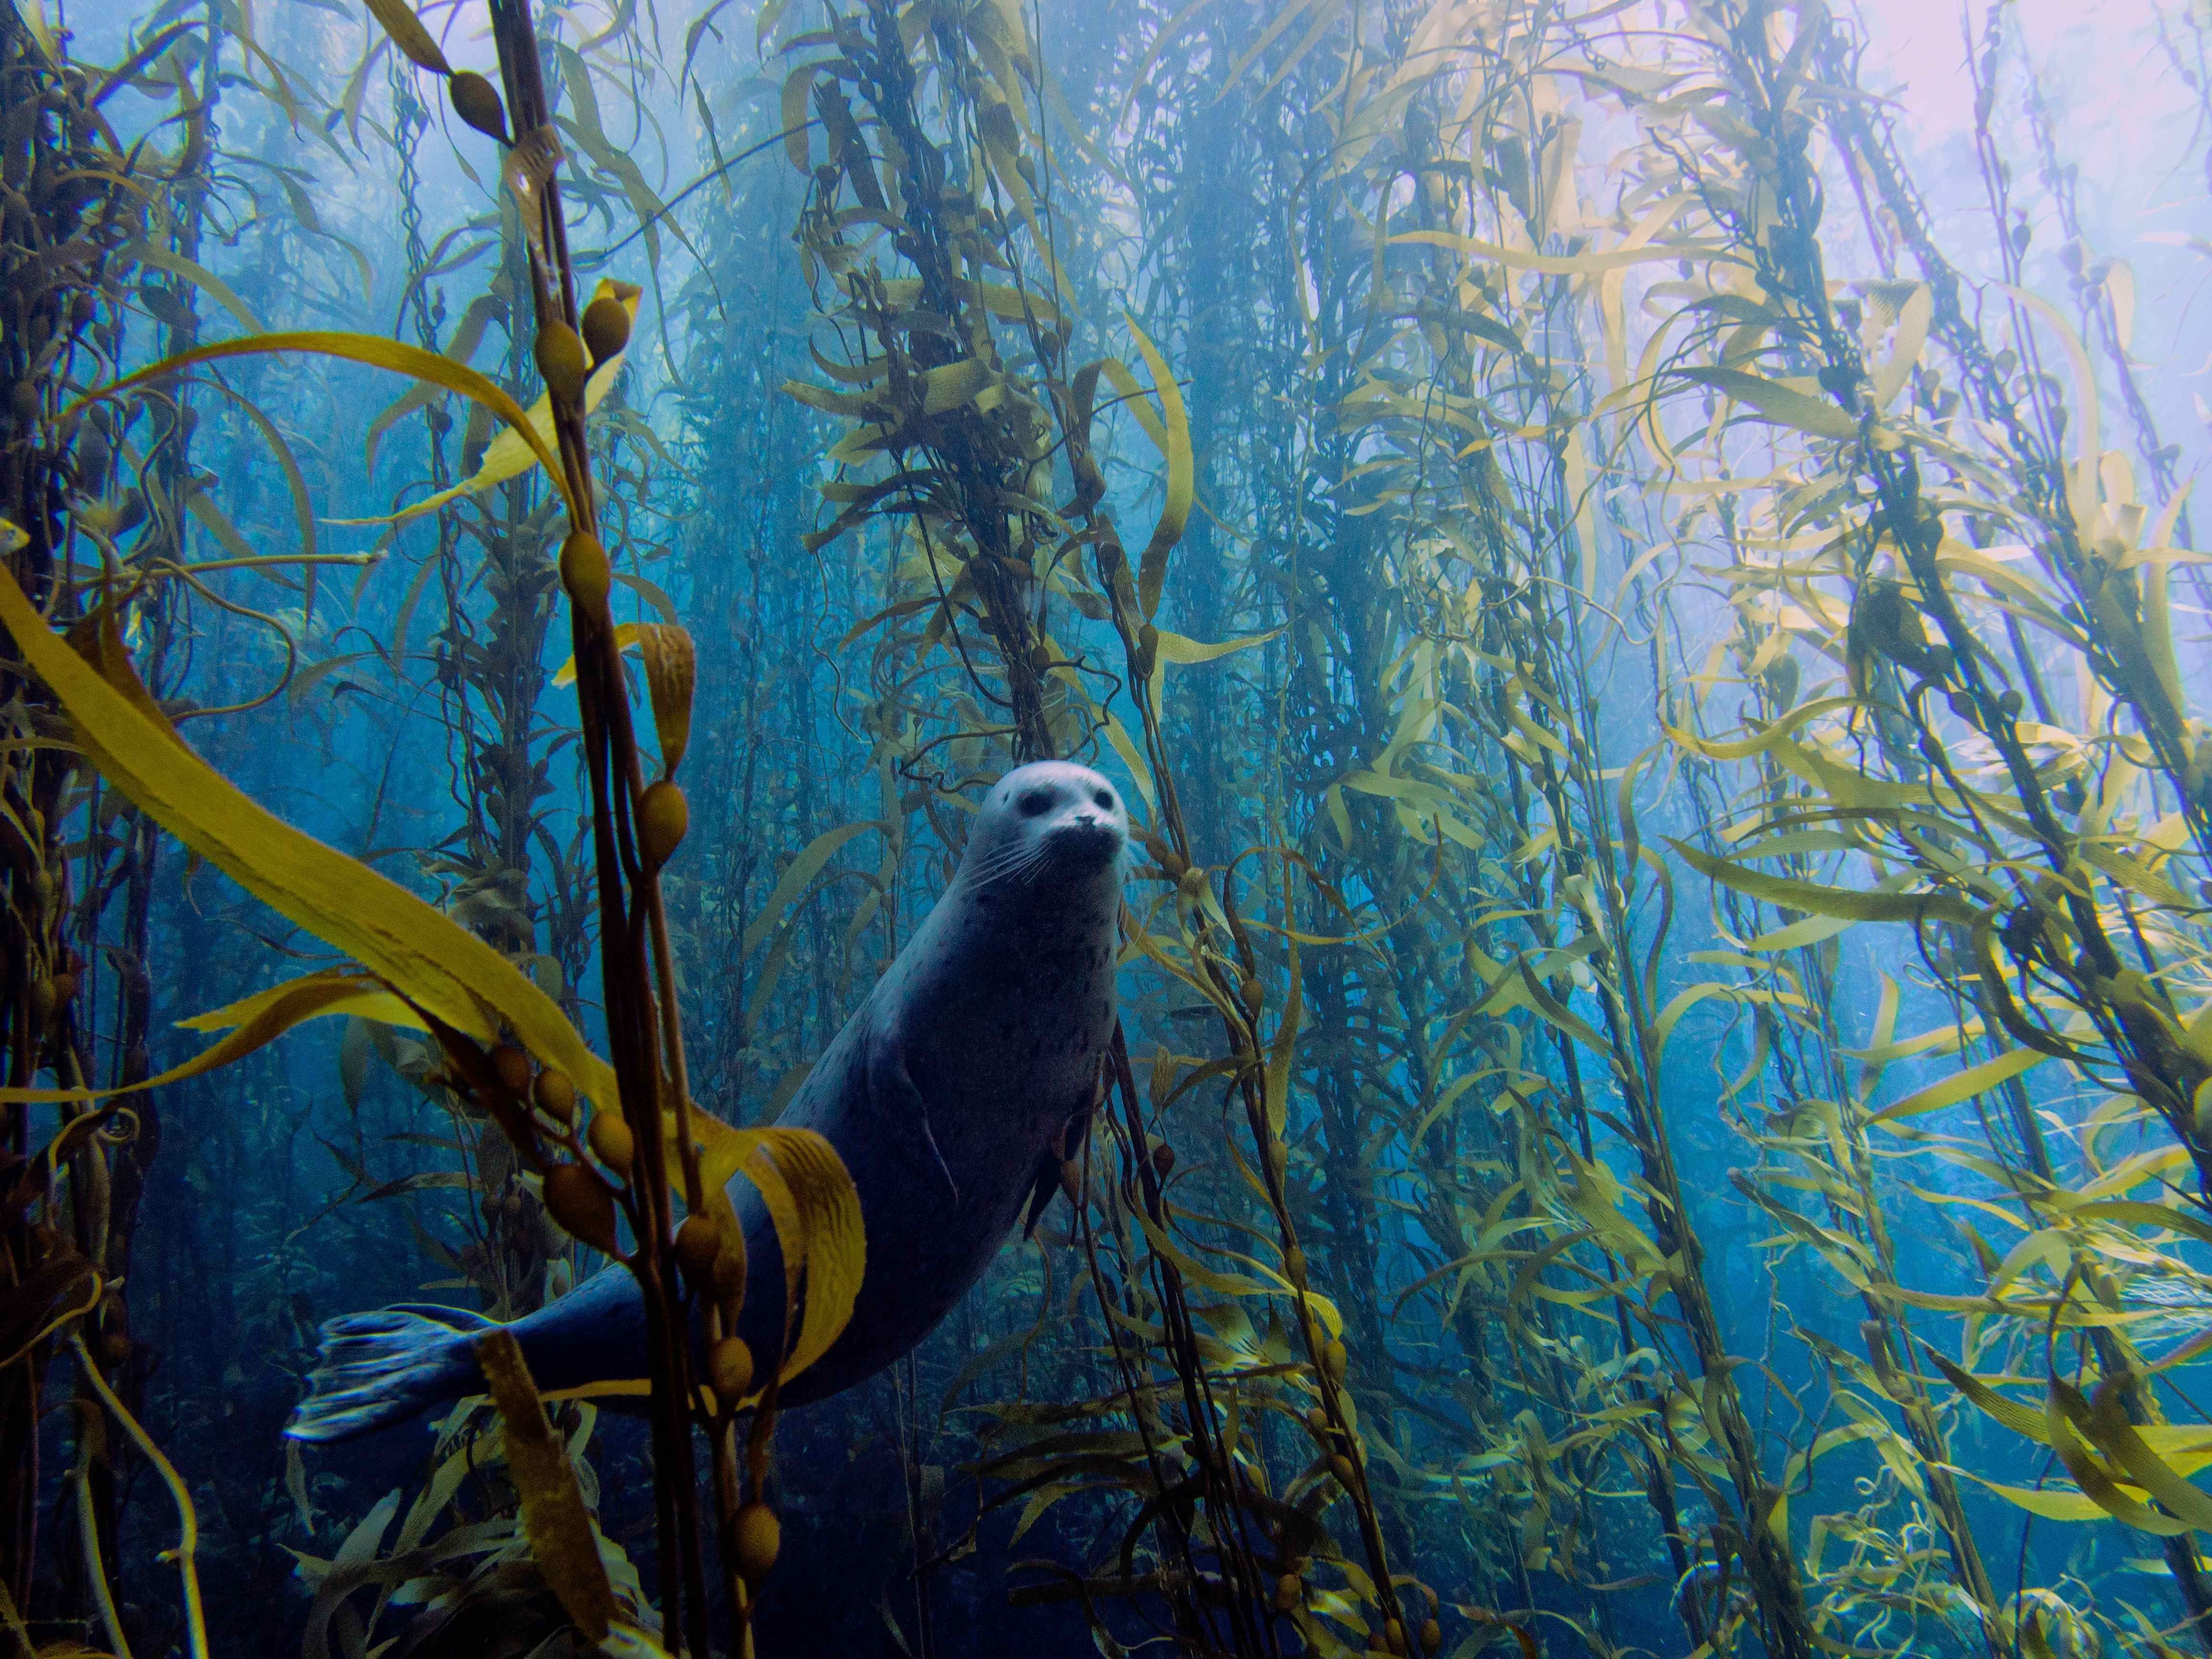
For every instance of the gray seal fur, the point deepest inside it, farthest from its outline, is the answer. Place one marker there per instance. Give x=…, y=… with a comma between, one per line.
x=949, y=1095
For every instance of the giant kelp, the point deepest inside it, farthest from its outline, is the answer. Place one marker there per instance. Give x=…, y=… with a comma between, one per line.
x=1490, y=476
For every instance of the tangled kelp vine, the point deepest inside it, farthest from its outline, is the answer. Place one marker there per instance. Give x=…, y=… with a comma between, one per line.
x=1588, y=480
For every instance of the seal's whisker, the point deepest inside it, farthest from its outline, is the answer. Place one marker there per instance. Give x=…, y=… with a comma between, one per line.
x=1006, y=863
x=988, y=868
x=997, y=857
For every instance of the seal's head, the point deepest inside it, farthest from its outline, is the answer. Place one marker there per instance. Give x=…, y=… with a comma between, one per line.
x=1049, y=818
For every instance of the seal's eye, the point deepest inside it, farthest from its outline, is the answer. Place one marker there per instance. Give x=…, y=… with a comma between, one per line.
x=1035, y=803
x=1105, y=798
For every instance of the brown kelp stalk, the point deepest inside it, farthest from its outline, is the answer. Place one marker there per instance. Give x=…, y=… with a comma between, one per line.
x=2120, y=616
x=1508, y=658
x=73, y=204
x=928, y=377
x=929, y=352
x=1818, y=1128
x=644, y=1040
x=1224, y=966
x=123, y=863
x=491, y=676
x=2062, y=949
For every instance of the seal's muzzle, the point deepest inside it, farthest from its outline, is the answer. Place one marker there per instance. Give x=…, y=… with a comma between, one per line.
x=1085, y=843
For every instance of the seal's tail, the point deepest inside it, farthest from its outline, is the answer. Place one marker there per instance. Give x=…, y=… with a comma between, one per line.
x=378, y=1368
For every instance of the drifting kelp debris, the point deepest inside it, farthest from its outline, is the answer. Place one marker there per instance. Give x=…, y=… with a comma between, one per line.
x=1662, y=1100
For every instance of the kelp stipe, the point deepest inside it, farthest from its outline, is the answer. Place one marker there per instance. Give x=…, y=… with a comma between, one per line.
x=73, y=974
x=424, y=971
x=989, y=430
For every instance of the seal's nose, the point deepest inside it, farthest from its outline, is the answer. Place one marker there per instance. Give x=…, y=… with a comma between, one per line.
x=1084, y=835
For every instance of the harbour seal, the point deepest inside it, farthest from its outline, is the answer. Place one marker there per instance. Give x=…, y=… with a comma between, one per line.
x=948, y=1094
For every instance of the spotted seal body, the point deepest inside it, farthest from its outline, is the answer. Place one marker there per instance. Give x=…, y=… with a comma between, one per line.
x=947, y=1095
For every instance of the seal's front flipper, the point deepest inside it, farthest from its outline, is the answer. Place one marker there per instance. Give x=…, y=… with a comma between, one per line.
x=1052, y=1168
x=1047, y=1185
x=891, y=1088
x=378, y=1368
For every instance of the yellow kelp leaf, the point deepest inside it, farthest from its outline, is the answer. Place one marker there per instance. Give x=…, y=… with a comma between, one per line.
x=1193, y=1269
x=1289, y=15
x=1183, y=477
x=2120, y=290
x=2104, y=1423
x=1133, y=398
x=954, y=385
x=796, y=874
x=1849, y=905
x=162, y=258
x=1140, y=772
x=1282, y=1053
x=2059, y=1504
x=2132, y=1213
x=254, y=1023
x=671, y=670
x=826, y=1231
x=816, y=1210
x=2085, y=427
x=629, y=1642
x=376, y=353
x=846, y=405
x=2187, y=1446
x=1845, y=1255
x=1012, y=305
x=797, y=88
x=416, y=950
x=339, y=991
x=1844, y=1434
x=1558, y=1013
x=2024, y=1420
x=2129, y=871
x=1961, y=1086
x=1764, y=738
x=1324, y=1309
x=1556, y=265
x=408, y=33
x=1678, y=1004
x=1598, y=1197
x=2060, y=1405
x=1780, y=403
x=529, y=438
x=98, y=641
x=613, y=160
x=1175, y=648
x=1912, y=320
x=461, y=347
x=554, y=1517
x=1806, y=930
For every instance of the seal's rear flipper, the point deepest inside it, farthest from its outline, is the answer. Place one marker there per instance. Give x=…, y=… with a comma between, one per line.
x=378, y=1368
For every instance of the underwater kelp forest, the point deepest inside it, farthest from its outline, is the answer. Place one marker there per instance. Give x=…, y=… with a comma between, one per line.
x=948, y=828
